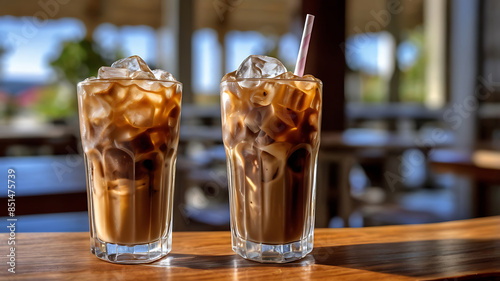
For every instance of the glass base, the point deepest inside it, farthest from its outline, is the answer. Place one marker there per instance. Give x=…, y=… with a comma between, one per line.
x=131, y=254
x=266, y=253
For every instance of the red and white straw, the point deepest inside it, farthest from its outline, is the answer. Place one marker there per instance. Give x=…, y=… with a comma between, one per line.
x=304, y=46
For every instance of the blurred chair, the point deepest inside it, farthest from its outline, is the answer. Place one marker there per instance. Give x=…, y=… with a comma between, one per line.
x=50, y=192
x=42, y=139
x=371, y=182
x=201, y=198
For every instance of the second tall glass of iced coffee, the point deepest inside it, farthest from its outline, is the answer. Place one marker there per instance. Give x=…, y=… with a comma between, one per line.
x=271, y=131
x=129, y=121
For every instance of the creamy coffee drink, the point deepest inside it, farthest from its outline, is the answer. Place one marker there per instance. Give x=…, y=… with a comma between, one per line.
x=129, y=121
x=271, y=131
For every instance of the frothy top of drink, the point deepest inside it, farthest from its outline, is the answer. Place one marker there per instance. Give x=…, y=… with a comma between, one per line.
x=132, y=67
x=258, y=67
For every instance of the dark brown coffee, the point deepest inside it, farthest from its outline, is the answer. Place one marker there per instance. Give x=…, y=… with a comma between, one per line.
x=271, y=136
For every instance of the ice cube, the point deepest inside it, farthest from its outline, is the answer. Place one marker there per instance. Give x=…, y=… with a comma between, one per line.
x=107, y=72
x=133, y=64
x=101, y=88
x=288, y=75
x=247, y=156
x=132, y=67
x=265, y=96
x=140, y=114
x=253, y=120
x=249, y=83
x=296, y=99
x=272, y=163
x=99, y=111
x=231, y=76
x=314, y=126
x=271, y=166
x=313, y=120
x=150, y=86
x=263, y=139
x=156, y=99
x=172, y=110
x=102, y=136
x=236, y=131
x=308, y=85
x=287, y=115
x=139, y=107
x=93, y=158
x=276, y=127
x=163, y=75
x=118, y=164
x=159, y=138
x=313, y=137
x=309, y=77
x=116, y=95
x=232, y=91
x=142, y=75
x=126, y=133
x=260, y=67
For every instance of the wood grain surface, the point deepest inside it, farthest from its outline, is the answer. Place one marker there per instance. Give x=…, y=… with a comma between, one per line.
x=459, y=250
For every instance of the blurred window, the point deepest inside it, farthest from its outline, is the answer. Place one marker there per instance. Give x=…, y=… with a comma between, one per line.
x=207, y=61
x=27, y=58
x=29, y=49
x=138, y=40
x=208, y=52
x=395, y=52
x=233, y=30
x=240, y=45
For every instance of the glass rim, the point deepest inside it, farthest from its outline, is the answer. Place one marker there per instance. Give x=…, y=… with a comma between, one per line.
x=109, y=80
x=274, y=80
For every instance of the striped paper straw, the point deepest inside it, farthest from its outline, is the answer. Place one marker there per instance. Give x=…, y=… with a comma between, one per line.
x=304, y=46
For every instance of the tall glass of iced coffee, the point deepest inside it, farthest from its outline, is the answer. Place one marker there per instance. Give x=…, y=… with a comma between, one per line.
x=271, y=131
x=129, y=123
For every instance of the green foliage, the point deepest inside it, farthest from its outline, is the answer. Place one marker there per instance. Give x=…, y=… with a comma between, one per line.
x=412, y=80
x=80, y=60
x=57, y=101
x=374, y=89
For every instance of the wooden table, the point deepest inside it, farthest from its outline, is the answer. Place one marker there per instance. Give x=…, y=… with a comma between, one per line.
x=469, y=249
x=482, y=166
x=343, y=149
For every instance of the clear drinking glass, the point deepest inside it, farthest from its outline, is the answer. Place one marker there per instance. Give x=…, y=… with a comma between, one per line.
x=271, y=132
x=130, y=133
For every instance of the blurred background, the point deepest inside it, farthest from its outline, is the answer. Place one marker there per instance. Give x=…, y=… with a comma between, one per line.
x=411, y=101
